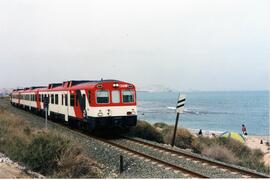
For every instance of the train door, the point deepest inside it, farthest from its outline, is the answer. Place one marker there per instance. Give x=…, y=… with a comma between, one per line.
x=66, y=105
x=80, y=101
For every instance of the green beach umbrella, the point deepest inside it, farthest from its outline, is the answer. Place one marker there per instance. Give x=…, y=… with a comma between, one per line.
x=234, y=135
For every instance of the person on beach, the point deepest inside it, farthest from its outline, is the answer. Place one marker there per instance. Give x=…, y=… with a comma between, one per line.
x=244, y=130
x=200, y=133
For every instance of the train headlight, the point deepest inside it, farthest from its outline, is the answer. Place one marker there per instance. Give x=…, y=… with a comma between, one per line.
x=100, y=114
x=115, y=85
x=99, y=86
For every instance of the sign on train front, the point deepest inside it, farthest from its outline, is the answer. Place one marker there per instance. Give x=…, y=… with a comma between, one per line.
x=180, y=104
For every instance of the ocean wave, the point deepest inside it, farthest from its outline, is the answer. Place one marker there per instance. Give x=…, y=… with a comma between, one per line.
x=199, y=112
x=170, y=109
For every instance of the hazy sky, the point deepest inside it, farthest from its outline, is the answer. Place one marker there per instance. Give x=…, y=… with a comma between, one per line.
x=182, y=44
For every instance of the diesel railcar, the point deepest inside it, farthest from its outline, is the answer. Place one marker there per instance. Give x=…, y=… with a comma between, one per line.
x=84, y=104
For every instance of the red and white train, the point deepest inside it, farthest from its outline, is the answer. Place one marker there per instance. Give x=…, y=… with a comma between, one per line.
x=87, y=104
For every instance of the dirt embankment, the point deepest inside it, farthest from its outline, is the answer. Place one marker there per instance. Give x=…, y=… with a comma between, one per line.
x=11, y=170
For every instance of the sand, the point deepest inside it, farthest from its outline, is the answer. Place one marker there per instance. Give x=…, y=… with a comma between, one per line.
x=254, y=142
x=8, y=171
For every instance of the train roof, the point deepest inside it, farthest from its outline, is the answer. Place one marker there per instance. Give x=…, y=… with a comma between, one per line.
x=72, y=84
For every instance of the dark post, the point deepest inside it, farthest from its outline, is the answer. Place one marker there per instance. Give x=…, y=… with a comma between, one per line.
x=175, y=129
x=121, y=164
x=46, y=105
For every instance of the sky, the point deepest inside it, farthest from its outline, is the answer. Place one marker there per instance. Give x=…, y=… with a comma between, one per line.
x=182, y=44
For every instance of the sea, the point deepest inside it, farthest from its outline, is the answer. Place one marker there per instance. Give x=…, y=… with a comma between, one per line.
x=209, y=111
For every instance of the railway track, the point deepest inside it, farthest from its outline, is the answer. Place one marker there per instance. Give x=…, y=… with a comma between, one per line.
x=207, y=162
x=185, y=171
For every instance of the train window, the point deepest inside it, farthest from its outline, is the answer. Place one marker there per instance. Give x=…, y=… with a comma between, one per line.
x=66, y=99
x=72, y=100
x=128, y=96
x=62, y=99
x=102, y=96
x=52, y=98
x=115, y=96
x=56, y=99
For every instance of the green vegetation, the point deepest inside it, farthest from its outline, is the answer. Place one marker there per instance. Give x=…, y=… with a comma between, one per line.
x=146, y=131
x=221, y=149
x=46, y=152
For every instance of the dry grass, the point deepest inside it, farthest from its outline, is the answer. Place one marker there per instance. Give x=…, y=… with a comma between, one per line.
x=46, y=152
x=221, y=154
x=183, y=137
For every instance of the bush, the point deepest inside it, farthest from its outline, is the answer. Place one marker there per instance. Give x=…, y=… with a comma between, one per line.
x=146, y=131
x=183, y=137
x=160, y=125
x=43, y=152
x=221, y=154
x=74, y=164
x=46, y=152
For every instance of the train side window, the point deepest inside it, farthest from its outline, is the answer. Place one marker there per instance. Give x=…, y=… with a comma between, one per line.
x=115, y=96
x=52, y=98
x=62, y=99
x=102, y=96
x=56, y=98
x=72, y=100
x=66, y=99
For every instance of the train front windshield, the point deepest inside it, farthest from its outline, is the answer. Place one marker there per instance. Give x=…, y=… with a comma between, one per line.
x=103, y=96
x=128, y=96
